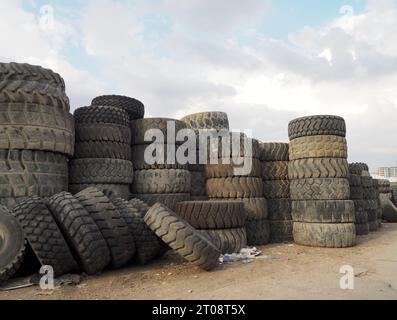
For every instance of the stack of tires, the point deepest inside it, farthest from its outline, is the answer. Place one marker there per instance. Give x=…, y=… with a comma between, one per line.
x=158, y=176
x=36, y=133
x=360, y=206
x=226, y=183
x=275, y=159
x=393, y=188
x=200, y=122
x=322, y=212
x=103, y=151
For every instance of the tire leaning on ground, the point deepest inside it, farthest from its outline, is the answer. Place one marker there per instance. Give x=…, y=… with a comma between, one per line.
x=12, y=245
x=134, y=108
x=227, y=241
x=317, y=125
x=182, y=237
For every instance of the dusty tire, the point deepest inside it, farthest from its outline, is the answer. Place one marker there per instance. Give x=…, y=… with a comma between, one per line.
x=101, y=115
x=112, y=226
x=235, y=145
x=100, y=171
x=320, y=189
x=167, y=199
x=117, y=190
x=140, y=206
x=358, y=168
x=323, y=211
x=212, y=214
x=362, y=229
x=207, y=120
x=274, y=151
x=318, y=168
x=12, y=245
x=367, y=182
x=81, y=232
x=103, y=150
x=276, y=189
x=258, y=232
x=227, y=241
x=356, y=193
x=134, y=108
x=355, y=180
x=339, y=235
x=281, y=231
x=198, y=184
x=228, y=170
x=161, y=181
x=242, y=187
x=317, y=125
x=318, y=147
x=44, y=236
x=102, y=132
x=275, y=170
x=361, y=217
x=279, y=209
x=182, y=237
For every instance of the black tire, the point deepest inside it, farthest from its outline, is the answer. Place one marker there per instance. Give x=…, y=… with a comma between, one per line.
x=100, y=171
x=356, y=193
x=44, y=236
x=367, y=182
x=101, y=114
x=198, y=184
x=275, y=170
x=281, y=231
x=161, y=181
x=255, y=208
x=362, y=229
x=117, y=190
x=140, y=127
x=317, y=125
x=320, y=189
x=182, y=237
x=258, y=232
x=337, y=235
x=134, y=108
x=318, y=147
x=276, y=189
x=274, y=151
x=279, y=209
x=227, y=241
x=358, y=168
x=318, y=168
x=361, y=217
x=167, y=199
x=242, y=187
x=146, y=242
x=207, y=120
x=369, y=194
x=103, y=150
x=12, y=245
x=355, y=180
x=212, y=214
x=373, y=226
x=228, y=170
x=323, y=211
x=112, y=226
x=81, y=233
x=102, y=132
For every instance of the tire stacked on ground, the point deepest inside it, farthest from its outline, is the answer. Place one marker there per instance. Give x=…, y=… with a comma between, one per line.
x=393, y=188
x=103, y=151
x=360, y=206
x=201, y=122
x=36, y=133
x=322, y=212
x=229, y=182
x=275, y=159
x=222, y=222
x=384, y=191
x=158, y=176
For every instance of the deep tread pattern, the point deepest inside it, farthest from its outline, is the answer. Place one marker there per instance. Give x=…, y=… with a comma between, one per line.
x=320, y=189
x=101, y=171
x=81, y=232
x=370, y=194
x=103, y=150
x=117, y=190
x=44, y=236
x=227, y=241
x=317, y=125
x=318, y=147
x=13, y=248
x=318, y=168
x=182, y=237
x=161, y=181
x=277, y=189
x=141, y=206
x=242, y=187
x=112, y=226
x=168, y=199
x=356, y=193
x=275, y=170
x=281, y=231
x=323, y=211
x=101, y=114
x=355, y=180
x=279, y=209
x=228, y=170
x=258, y=232
x=337, y=235
x=358, y=168
x=212, y=214
x=198, y=184
x=207, y=120
x=103, y=133
x=134, y=108
x=274, y=151
x=146, y=242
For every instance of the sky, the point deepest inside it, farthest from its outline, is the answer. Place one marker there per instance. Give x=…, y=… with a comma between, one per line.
x=263, y=62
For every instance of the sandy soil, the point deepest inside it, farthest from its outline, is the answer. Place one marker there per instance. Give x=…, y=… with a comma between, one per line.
x=285, y=271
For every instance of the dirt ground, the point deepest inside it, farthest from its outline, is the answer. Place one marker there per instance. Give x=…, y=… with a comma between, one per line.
x=285, y=271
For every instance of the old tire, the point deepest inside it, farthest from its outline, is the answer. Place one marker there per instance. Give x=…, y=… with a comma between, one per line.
x=227, y=241
x=320, y=189
x=241, y=187
x=276, y=189
x=134, y=108
x=161, y=181
x=167, y=199
x=279, y=209
x=258, y=232
x=318, y=168
x=318, y=147
x=207, y=120
x=103, y=132
x=103, y=150
x=101, y=115
x=275, y=170
x=281, y=231
x=362, y=229
x=198, y=184
x=229, y=170
x=118, y=190
x=317, y=125
x=274, y=151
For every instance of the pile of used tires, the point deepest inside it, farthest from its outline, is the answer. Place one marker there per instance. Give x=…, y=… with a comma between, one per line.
x=322, y=212
x=357, y=196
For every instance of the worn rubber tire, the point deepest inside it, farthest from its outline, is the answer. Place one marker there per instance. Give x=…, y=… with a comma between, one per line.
x=356, y=193
x=102, y=132
x=275, y=170
x=373, y=226
x=325, y=235
x=81, y=232
x=167, y=199
x=212, y=214
x=258, y=232
x=320, y=189
x=103, y=150
x=362, y=229
x=370, y=194
x=112, y=226
x=355, y=180
x=367, y=182
x=242, y=187
x=198, y=184
x=323, y=211
x=161, y=181
x=117, y=190
x=101, y=114
x=235, y=146
x=358, y=168
x=44, y=236
x=279, y=209
x=274, y=151
x=276, y=189
x=361, y=217
x=318, y=147
x=317, y=125
x=228, y=170
x=281, y=231
x=207, y=120
x=134, y=108
x=12, y=245
x=100, y=171
x=141, y=206
x=182, y=237
x=318, y=168
x=227, y=241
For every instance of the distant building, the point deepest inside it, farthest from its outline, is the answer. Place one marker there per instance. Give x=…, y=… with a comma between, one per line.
x=387, y=172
